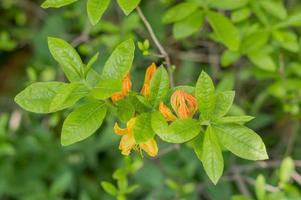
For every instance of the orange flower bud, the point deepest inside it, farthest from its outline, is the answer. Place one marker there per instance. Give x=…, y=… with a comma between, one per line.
x=166, y=112
x=126, y=88
x=148, y=76
x=184, y=104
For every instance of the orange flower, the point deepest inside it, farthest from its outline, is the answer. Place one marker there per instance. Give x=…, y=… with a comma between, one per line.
x=148, y=76
x=126, y=88
x=127, y=142
x=183, y=103
x=166, y=112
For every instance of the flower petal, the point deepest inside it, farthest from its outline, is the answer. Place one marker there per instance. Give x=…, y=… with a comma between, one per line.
x=150, y=147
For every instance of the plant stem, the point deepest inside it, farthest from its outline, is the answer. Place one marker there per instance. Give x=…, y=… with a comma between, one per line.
x=158, y=44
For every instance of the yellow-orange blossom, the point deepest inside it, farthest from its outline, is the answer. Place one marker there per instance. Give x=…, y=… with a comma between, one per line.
x=127, y=142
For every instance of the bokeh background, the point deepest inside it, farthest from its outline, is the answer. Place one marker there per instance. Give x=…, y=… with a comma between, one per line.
x=33, y=164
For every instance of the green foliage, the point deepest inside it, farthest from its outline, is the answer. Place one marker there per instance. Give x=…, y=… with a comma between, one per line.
x=95, y=9
x=83, y=122
x=251, y=47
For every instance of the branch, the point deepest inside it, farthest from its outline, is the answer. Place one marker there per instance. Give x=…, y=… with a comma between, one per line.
x=157, y=43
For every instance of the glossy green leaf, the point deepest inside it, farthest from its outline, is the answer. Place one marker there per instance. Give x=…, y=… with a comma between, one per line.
x=47, y=97
x=192, y=24
x=205, y=95
x=185, y=8
x=224, y=30
x=263, y=61
x=125, y=110
x=241, y=141
x=83, y=122
x=198, y=145
x=68, y=58
x=105, y=88
x=56, y=3
x=128, y=6
x=212, y=157
x=142, y=130
x=234, y=119
x=96, y=8
x=68, y=95
x=159, y=86
x=120, y=61
x=223, y=103
x=227, y=4
x=91, y=63
x=182, y=130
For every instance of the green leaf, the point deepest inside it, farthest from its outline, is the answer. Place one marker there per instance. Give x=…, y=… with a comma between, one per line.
x=125, y=110
x=83, y=122
x=287, y=39
x=128, y=6
x=143, y=130
x=105, y=88
x=120, y=61
x=67, y=96
x=223, y=103
x=212, y=157
x=56, y=3
x=68, y=58
x=96, y=8
x=254, y=41
x=228, y=4
x=229, y=57
x=260, y=188
x=205, y=95
x=180, y=131
x=241, y=141
x=185, y=8
x=109, y=188
x=234, y=119
x=91, y=63
x=224, y=30
x=159, y=86
x=275, y=8
x=292, y=20
x=263, y=61
x=192, y=24
x=286, y=170
x=198, y=145
x=240, y=15
x=47, y=97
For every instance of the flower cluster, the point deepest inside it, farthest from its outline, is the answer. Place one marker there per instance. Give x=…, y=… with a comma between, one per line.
x=183, y=104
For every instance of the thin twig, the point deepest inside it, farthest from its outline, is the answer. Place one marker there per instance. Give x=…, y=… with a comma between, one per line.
x=83, y=37
x=243, y=188
x=158, y=44
x=297, y=177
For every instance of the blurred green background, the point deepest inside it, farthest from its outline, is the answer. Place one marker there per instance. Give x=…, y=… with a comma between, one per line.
x=265, y=73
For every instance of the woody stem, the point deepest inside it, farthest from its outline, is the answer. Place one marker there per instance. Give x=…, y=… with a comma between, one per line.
x=163, y=52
